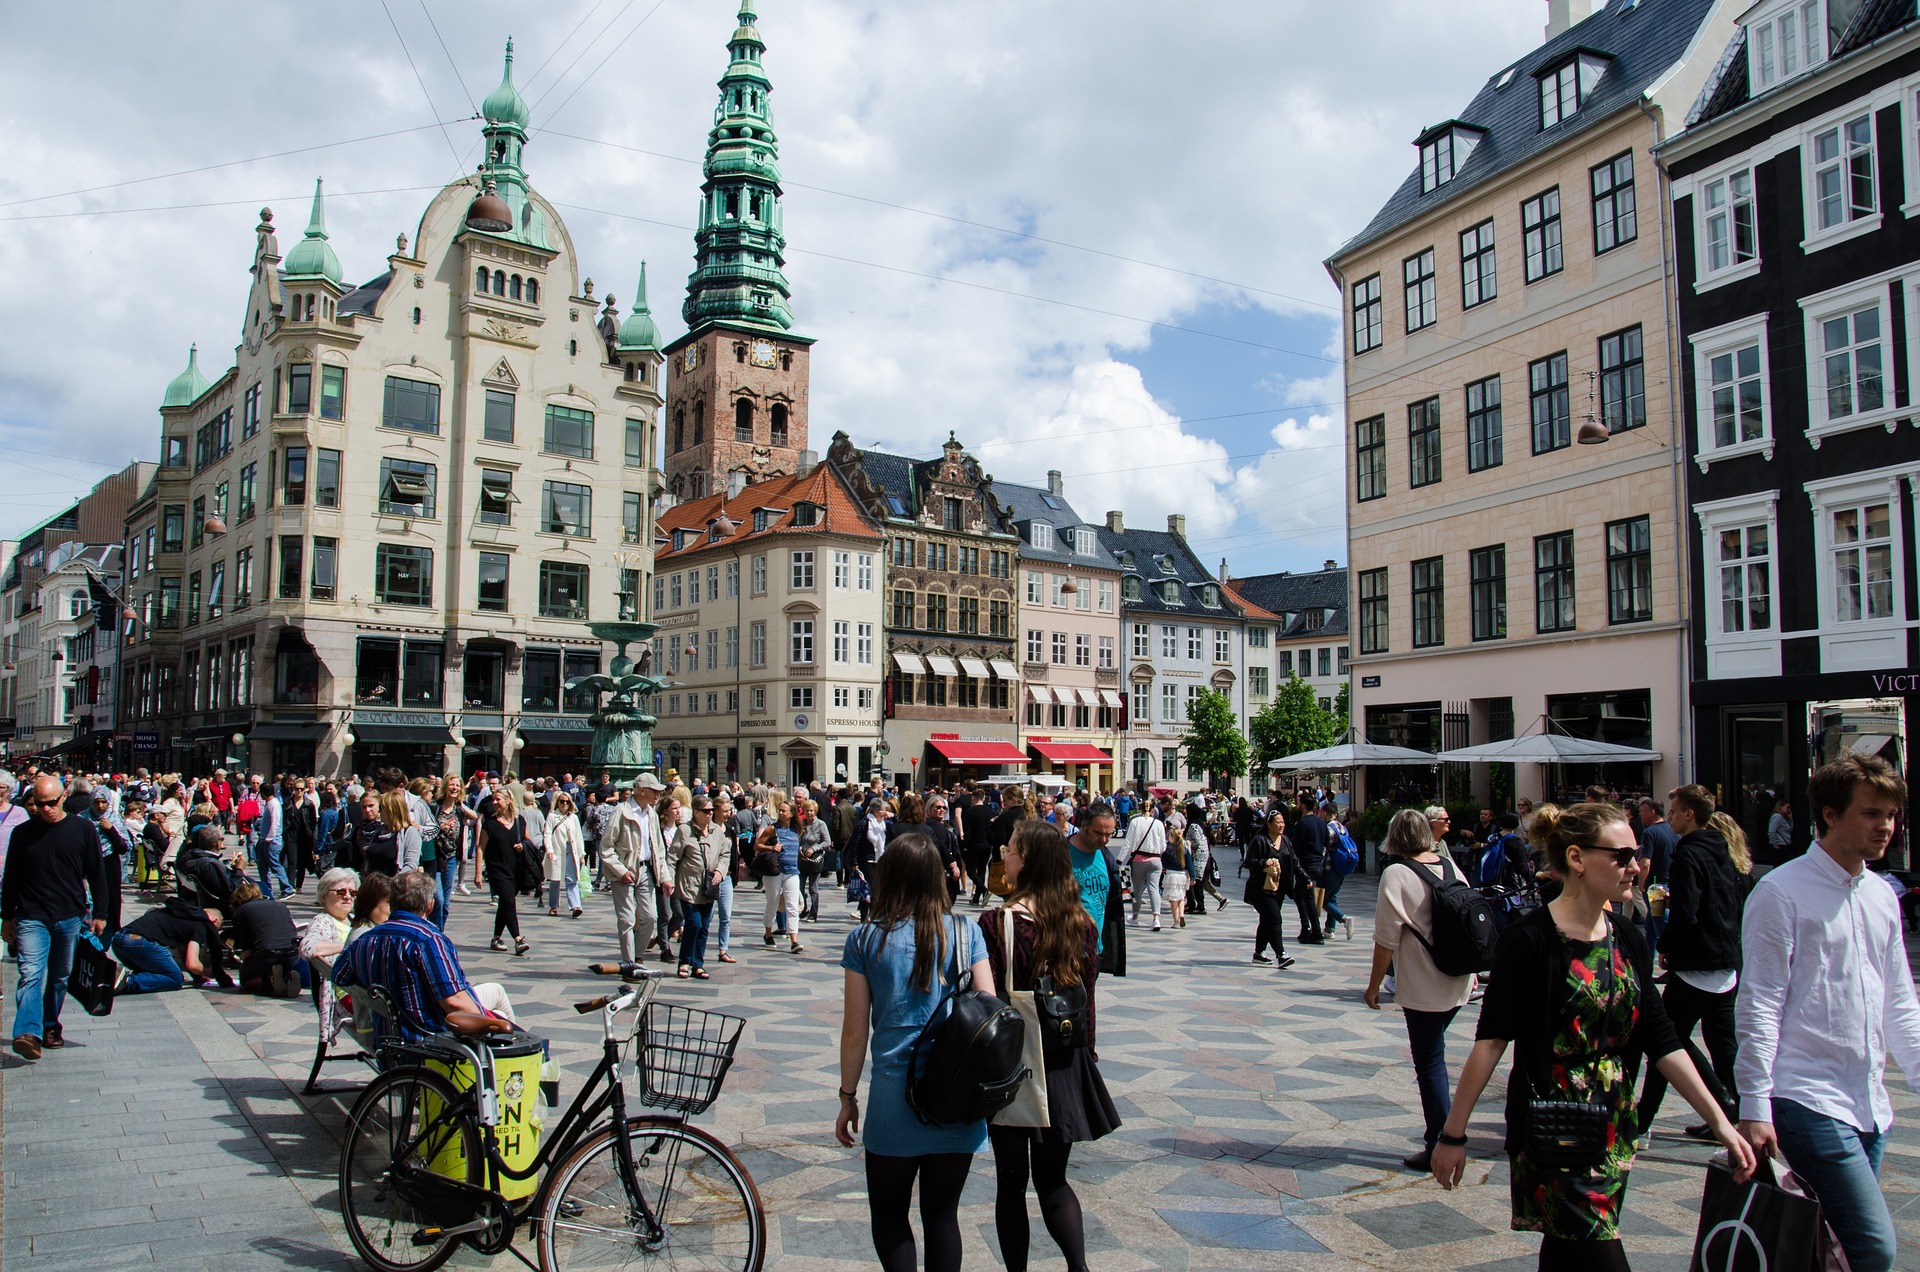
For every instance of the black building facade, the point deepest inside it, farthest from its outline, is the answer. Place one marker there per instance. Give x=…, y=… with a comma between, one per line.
x=1796, y=223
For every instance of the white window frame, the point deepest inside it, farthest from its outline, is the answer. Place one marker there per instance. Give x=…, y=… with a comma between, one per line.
x=1223, y=644
x=1705, y=277
x=1813, y=237
x=842, y=641
x=1142, y=702
x=1815, y=311
x=1707, y=346
x=1767, y=43
x=1036, y=588
x=800, y=570
x=863, y=645
x=800, y=642
x=1910, y=144
x=1864, y=644
x=863, y=574
x=1143, y=640
x=1754, y=652
x=1169, y=702
x=842, y=571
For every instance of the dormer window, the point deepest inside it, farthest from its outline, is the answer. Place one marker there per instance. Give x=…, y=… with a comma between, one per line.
x=1083, y=542
x=1567, y=86
x=762, y=518
x=806, y=514
x=1165, y=563
x=1126, y=563
x=1170, y=592
x=682, y=539
x=1040, y=535
x=1210, y=596
x=1130, y=588
x=1791, y=38
x=1443, y=152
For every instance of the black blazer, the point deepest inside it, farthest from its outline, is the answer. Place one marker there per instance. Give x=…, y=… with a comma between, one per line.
x=1259, y=851
x=1706, y=895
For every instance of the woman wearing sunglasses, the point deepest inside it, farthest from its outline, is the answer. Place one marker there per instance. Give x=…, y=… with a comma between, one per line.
x=1572, y=988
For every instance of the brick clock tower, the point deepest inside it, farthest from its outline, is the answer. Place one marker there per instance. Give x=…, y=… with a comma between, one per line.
x=737, y=381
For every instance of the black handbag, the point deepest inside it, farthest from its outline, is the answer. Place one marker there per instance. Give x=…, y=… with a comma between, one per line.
x=94, y=977
x=1062, y=1012
x=1571, y=1134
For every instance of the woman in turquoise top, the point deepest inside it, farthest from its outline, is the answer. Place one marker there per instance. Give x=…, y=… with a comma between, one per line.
x=899, y=968
x=783, y=889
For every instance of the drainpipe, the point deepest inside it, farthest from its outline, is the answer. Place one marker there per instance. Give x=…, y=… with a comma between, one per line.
x=1683, y=674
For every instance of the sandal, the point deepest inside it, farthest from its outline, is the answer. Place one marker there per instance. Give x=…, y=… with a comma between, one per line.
x=727, y=958
x=700, y=973
x=553, y=914
x=684, y=972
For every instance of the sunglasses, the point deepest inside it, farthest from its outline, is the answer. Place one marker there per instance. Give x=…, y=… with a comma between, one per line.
x=342, y=892
x=1622, y=857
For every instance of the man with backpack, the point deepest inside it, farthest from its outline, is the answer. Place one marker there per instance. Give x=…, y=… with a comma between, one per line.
x=1343, y=858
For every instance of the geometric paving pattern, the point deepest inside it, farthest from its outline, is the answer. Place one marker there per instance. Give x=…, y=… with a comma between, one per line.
x=1265, y=1112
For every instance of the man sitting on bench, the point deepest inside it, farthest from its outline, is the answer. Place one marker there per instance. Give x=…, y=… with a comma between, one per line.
x=419, y=969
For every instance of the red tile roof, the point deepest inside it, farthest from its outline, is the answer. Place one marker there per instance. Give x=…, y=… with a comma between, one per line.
x=1253, y=611
x=840, y=514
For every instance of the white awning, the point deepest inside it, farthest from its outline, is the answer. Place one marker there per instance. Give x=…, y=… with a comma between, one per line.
x=910, y=663
x=975, y=668
x=1004, y=669
x=1040, y=693
x=1111, y=698
x=941, y=666
x=1088, y=697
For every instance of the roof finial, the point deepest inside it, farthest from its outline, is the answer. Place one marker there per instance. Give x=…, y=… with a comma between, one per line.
x=317, y=223
x=639, y=332
x=313, y=255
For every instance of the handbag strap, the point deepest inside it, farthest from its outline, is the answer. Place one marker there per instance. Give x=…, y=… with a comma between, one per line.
x=1004, y=986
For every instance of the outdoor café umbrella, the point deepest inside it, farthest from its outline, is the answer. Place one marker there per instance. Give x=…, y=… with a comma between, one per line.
x=1352, y=754
x=1547, y=748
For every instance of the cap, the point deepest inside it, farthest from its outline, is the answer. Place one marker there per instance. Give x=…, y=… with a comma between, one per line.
x=648, y=782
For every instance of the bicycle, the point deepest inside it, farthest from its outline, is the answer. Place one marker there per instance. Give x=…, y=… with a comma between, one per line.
x=422, y=1168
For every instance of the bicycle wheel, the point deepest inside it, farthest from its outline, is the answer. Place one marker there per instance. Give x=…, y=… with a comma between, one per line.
x=708, y=1212
x=400, y=1119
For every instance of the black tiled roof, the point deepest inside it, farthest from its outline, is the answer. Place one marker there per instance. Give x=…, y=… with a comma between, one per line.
x=1642, y=37
x=1024, y=504
x=1729, y=87
x=894, y=475
x=1148, y=548
x=362, y=299
x=1297, y=594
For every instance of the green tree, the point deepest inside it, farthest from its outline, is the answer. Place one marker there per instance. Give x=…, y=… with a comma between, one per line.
x=1213, y=742
x=1343, y=707
x=1293, y=722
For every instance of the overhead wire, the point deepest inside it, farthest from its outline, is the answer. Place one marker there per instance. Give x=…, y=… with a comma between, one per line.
x=531, y=80
x=561, y=76
x=218, y=203
x=459, y=163
x=588, y=78
x=461, y=79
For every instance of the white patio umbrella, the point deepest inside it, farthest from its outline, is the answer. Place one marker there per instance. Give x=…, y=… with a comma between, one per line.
x=1547, y=748
x=1357, y=754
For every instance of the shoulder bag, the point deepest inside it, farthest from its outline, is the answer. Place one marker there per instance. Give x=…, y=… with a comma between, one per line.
x=1029, y=1107
x=1565, y=1132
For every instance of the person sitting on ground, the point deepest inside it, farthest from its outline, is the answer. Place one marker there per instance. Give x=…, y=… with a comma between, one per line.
x=201, y=876
x=174, y=945
x=418, y=967
x=264, y=937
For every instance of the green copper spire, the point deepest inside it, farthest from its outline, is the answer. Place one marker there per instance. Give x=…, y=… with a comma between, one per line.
x=504, y=126
x=504, y=105
x=638, y=334
x=313, y=256
x=187, y=387
x=739, y=247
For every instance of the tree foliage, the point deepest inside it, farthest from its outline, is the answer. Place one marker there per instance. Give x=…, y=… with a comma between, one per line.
x=1213, y=742
x=1293, y=722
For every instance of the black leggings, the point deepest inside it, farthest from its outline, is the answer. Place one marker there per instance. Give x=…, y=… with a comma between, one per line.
x=506, y=914
x=1272, y=920
x=1013, y=1148
x=890, y=1194
x=1557, y=1254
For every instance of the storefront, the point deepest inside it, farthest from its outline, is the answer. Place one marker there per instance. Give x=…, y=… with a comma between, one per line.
x=552, y=745
x=948, y=758
x=415, y=742
x=291, y=745
x=1083, y=765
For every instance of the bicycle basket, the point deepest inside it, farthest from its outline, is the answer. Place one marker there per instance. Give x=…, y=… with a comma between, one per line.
x=685, y=1055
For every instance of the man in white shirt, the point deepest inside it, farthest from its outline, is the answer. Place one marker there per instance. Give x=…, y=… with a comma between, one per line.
x=633, y=851
x=1824, y=995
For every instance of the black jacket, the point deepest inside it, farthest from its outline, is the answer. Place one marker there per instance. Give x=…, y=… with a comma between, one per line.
x=203, y=875
x=1705, y=897
x=1257, y=854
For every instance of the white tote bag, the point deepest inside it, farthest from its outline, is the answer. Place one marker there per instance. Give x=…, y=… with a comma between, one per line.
x=1029, y=1107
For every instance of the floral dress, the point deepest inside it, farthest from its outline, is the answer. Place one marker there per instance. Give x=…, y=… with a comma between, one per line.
x=1594, y=1010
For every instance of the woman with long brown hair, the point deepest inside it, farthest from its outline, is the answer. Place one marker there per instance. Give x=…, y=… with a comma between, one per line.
x=900, y=967
x=1052, y=936
x=1268, y=863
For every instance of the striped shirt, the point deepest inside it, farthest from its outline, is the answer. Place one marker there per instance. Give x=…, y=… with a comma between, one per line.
x=414, y=962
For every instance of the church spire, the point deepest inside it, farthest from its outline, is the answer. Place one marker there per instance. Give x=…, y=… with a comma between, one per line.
x=313, y=256
x=739, y=249
x=639, y=334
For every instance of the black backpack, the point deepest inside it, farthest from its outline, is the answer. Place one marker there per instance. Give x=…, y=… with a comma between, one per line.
x=972, y=1047
x=1464, y=931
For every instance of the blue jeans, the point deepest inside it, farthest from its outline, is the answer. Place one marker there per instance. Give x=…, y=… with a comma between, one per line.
x=1331, y=881
x=724, y=907
x=1427, y=1036
x=570, y=886
x=46, y=958
x=446, y=881
x=1841, y=1166
x=693, y=934
x=152, y=964
x=266, y=854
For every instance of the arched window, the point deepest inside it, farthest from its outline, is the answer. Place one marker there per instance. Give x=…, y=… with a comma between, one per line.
x=699, y=422
x=480, y=279
x=679, y=430
x=778, y=424
x=499, y=282
x=740, y=351
x=786, y=360
x=679, y=487
x=513, y=288
x=631, y=368
x=76, y=604
x=743, y=420
x=697, y=485
x=533, y=292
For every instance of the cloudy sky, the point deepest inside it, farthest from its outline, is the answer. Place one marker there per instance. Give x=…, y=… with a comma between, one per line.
x=1081, y=236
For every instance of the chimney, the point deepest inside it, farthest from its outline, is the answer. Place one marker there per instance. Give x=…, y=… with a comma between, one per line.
x=1223, y=569
x=1177, y=524
x=1055, y=486
x=807, y=461
x=1114, y=523
x=1562, y=14
x=736, y=482
x=1332, y=564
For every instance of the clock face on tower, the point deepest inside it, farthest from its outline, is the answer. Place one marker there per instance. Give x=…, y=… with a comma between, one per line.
x=763, y=353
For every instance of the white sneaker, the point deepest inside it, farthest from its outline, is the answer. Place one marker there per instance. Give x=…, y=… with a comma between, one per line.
x=465, y=890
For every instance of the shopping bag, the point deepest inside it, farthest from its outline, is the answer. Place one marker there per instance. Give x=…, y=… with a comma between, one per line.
x=1768, y=1224
x=94, y=975
x=1029, y=1107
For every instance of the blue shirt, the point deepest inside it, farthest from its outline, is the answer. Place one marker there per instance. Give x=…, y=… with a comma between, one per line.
x=900, y=1011
x=1090, y=868
x=413, y=961
x=789, y=841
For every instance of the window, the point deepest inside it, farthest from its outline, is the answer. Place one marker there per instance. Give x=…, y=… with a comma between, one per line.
x=630, y=509
x=540, y=681
x=170, y=601
x=1373, y=611
x=1106, y=652
x=800, y=571
x=493, y=583
x=1553, y=582
x=293, y=487
x=1849, y=383
x=333, y=392
x=757, y=645
x=1036, y=588
x=1567, y=86
x=326, y=569
x=1367, y=314
x=326, y=478
x=567, y=509
x=407, y=488
x=292, y=566
x=1222, y=645
x=842, y=641
x=1169, y=763
x=733, y=579
x=496, y=497
x=1417, y=272
x=1487, y=572
x=1842, y=179
x=903, y=553
x=863, y=644
x=197, y=523
x=497, y=424
x=1745, y=562
x=1479, y=282
x=673, y=590
x=1142, y=641
x=249, y=491
x=1614, y=216
x=377, y=672
x=1169, y=642
x=1443, y=155
x=1861, y=547
x=1429, y=603
x=842, y=571
x=1040, y=535
x=413, y=405
x=800, y=640
x=1423, y=442
x=250, y=412
x=1629, y=571
x=1549, y=405
x=1326, y=668
x=1370, y=458
x=299, y=388
x=863, y=571
x=403, y=574
x=1169, y=702
x=936, y=611
x=1785, y=43
x=799, y=696
x=1257, y=681
x=969, y=615
x=1732, y=406
x=193, y=599
x=1484, y=441
x=733, y=647
x=1540, y=220
x=1059, y=648
x=1106, y=596
x=952, y=514
x=1727, y=235
x=902, y=607
x=563, y=590
x=636, y=444
x=1623, y=381
x=569, y=432
x=243, y=578
x=1059, y=591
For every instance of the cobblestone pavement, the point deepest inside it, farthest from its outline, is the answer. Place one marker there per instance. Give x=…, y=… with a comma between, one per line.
x=1266, y=1113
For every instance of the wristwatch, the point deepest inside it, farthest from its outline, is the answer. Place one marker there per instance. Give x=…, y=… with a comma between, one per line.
x=1452, y=1141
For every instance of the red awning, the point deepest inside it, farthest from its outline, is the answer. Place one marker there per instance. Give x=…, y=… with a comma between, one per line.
x=1072, y=753
x=958, y=752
